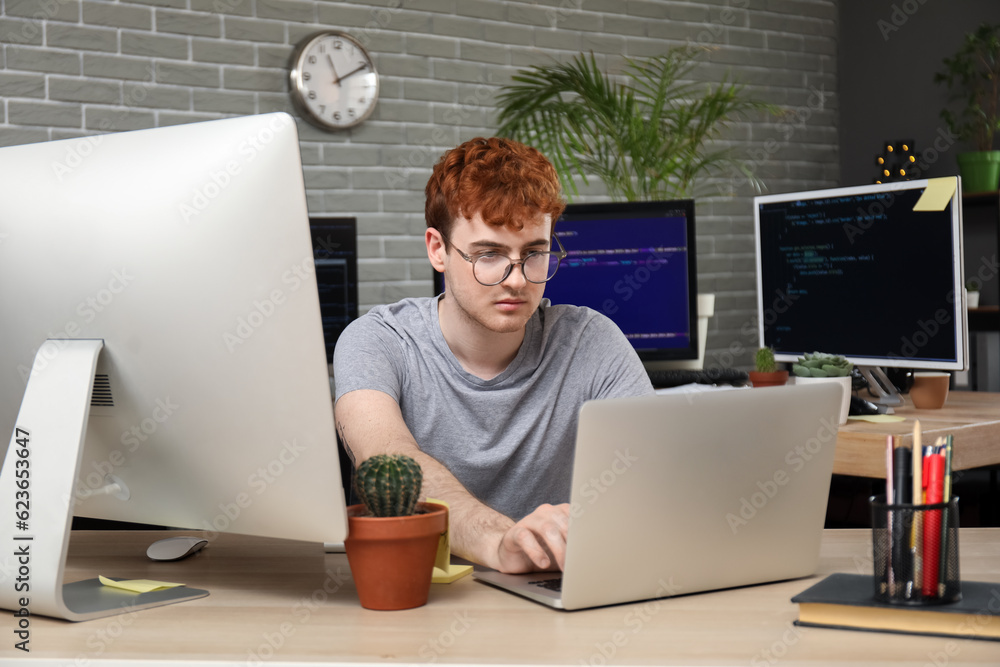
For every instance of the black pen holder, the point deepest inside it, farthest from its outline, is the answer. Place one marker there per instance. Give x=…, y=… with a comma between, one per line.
x=915, y=551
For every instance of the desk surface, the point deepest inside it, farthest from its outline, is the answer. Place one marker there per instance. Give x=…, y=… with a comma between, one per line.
x=279, y=601
x=973, y=419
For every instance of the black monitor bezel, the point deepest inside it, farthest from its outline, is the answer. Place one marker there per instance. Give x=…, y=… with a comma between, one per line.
x=316, y=222
x=619, y=210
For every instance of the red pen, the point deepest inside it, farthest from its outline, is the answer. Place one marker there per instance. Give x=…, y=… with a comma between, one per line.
x=932, y=525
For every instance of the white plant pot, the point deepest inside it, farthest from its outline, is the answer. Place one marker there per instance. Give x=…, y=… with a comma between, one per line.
x=845, y=383
x=972, y=299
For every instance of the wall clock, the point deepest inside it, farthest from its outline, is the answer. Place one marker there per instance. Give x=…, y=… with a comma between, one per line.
x=334, y=84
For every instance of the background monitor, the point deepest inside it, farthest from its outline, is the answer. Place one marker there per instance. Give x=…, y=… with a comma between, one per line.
x=335, y=249
x=859, y=272
x=187, y=251
x=635, y=263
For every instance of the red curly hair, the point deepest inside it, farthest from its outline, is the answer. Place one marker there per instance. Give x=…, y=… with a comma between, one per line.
x=505, y=181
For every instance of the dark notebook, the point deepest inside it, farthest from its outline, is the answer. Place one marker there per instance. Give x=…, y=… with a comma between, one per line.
x=847, y=601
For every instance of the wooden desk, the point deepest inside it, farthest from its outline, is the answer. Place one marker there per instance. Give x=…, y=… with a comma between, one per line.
x=973, y=418
x=277, y=602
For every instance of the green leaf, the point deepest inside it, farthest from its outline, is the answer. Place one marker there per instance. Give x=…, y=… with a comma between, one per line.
x=645, y=134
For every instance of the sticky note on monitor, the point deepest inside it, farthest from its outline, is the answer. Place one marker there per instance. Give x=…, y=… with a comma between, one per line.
x=937, y=194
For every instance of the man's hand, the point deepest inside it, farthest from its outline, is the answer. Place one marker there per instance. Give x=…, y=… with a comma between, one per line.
x=369, y=422
x=537, y=542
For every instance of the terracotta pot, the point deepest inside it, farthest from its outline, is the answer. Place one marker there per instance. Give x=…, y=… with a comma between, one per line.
x=392, y=558
x=775, y=379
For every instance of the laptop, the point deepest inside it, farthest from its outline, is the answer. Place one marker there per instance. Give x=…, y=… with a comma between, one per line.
x=689, y=492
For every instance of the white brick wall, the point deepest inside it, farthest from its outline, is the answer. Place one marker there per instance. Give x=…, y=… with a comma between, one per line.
x=76, y=67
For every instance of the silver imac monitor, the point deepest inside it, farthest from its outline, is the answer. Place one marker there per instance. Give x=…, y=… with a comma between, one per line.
x=162, y=357
x=872, y=272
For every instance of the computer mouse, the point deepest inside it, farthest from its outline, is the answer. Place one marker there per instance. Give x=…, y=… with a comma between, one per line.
x=175, y=548
x=860, y=406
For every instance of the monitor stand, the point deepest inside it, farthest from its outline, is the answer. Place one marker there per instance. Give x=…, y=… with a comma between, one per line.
x=36, y=496
x=881, y=386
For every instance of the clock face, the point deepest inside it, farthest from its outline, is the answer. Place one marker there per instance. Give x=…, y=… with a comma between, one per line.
x=333, y=80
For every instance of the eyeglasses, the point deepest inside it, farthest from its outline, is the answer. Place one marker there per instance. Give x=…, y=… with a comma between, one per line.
x=492, y=268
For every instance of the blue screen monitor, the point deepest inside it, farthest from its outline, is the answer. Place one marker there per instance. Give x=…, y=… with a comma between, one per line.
x=864, y=272
x=635, y=263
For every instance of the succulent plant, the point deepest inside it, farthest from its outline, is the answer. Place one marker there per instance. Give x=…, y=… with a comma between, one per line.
x=764, y=360
x=819, y=365
x=389, y=484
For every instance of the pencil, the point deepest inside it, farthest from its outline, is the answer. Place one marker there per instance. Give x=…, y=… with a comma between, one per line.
x=943, y=565
x=889, y=500
x=918, y=490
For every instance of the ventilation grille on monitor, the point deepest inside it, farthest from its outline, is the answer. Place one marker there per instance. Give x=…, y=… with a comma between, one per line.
x=101, y=397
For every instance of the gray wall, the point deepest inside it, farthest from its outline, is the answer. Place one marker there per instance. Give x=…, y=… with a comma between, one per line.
x=77, y=67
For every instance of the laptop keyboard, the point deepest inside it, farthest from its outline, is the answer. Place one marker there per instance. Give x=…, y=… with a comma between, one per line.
x=551, y=584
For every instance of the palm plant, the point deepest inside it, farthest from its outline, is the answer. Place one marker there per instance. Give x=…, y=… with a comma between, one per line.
x=645, y=134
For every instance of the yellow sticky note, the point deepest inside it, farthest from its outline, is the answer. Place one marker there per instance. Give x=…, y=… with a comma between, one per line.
x=938, y=193
x=444, y=571
x=877, y=419
x=138, y=585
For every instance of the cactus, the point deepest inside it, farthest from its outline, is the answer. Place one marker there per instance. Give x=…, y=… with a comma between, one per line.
x=389, y=484
x=764, y=361
x=819, y=365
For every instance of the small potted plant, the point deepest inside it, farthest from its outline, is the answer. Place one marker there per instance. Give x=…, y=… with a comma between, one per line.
x=972, y=77
x=820, y=367
x=972, y=293
x=392, y=538
x=766, y=373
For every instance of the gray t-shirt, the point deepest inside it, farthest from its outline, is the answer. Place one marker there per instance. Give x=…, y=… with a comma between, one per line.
x=509, y=440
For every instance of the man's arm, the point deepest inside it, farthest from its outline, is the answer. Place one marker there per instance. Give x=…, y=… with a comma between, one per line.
x=369, y=422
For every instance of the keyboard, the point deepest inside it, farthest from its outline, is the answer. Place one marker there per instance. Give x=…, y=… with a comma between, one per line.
x=554, y=584
x=677, y=376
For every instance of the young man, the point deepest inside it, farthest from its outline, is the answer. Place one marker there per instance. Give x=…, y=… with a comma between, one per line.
x=483, y=385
